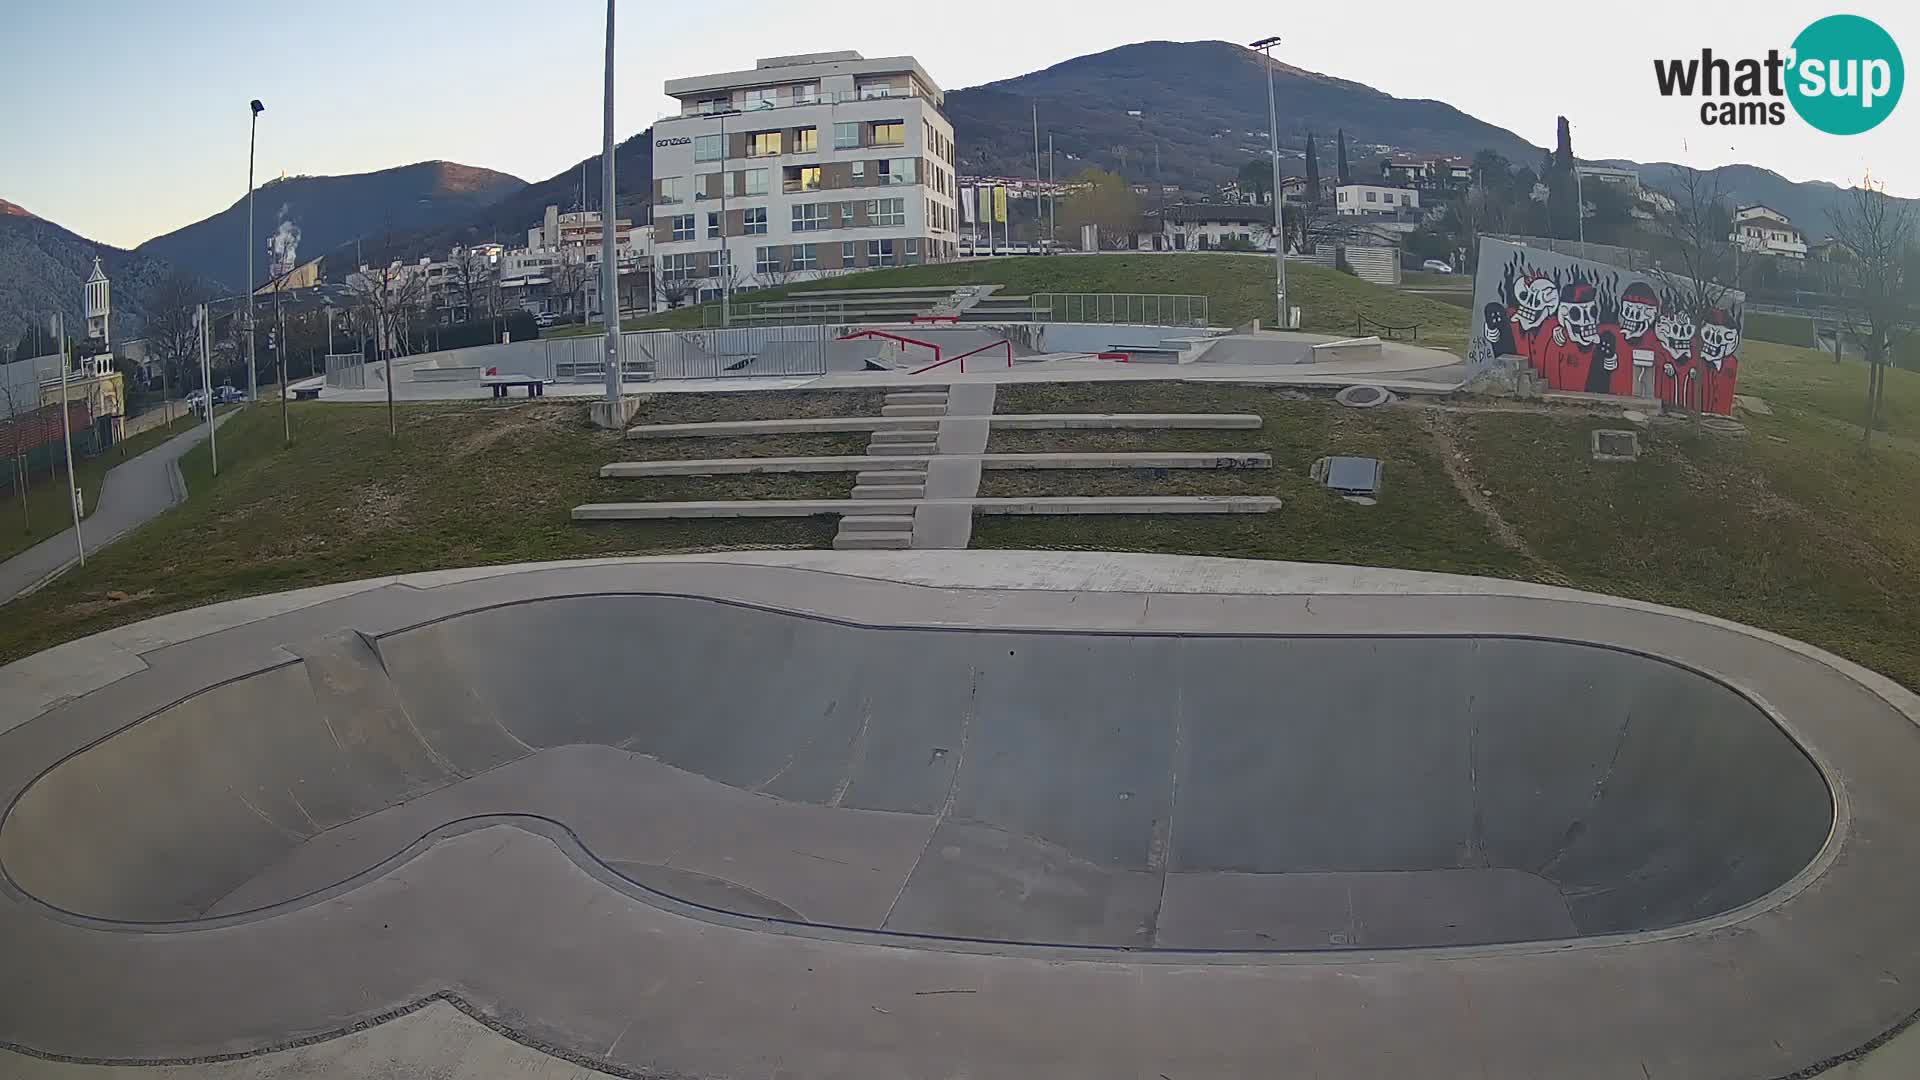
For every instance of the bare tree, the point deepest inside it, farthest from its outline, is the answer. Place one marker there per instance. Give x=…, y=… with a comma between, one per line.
x=1699, y=228
x=387, y=296
x=173, y=334
x=16, y=447
x=469, y=275
x=569, y=278
x=1878, y=233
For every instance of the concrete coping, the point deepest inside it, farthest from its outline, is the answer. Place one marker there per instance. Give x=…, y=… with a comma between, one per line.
x=797, y=425
x=1222, y=460
x=1064, y=504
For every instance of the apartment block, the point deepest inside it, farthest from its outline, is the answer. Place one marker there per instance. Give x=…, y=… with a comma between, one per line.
x=804, y=167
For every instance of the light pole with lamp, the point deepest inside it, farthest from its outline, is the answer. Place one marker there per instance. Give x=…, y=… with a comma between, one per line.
x=1265, y=47
x=253, y=370
x=609, y=254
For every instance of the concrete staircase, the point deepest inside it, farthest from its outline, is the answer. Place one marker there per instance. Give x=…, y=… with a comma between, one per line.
x=866, y=530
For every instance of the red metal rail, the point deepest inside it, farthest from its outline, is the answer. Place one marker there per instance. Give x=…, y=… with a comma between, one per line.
x=895, y=337
x=963, y=357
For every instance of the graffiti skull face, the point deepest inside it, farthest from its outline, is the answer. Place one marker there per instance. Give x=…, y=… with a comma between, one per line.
x=1636, y=317
x=1581, y=320
x=1538, y=298
x=1675, y=331
x=1717, y=342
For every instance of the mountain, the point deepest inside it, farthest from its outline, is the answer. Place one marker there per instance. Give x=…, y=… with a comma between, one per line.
x=1806, y=203
x=1203, y=104
x=43, y=268
x=315, y=214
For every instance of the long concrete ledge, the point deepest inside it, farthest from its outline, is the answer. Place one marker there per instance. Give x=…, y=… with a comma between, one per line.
x=1029, y=421
x=742, y=508
x=1224, y=460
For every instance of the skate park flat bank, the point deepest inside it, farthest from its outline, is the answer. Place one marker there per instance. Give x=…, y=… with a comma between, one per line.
x=937, y=812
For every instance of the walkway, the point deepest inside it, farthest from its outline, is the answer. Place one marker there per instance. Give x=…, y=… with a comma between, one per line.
x=133, y=494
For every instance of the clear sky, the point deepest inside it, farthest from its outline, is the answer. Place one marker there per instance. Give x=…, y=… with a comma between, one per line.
x=123, y=119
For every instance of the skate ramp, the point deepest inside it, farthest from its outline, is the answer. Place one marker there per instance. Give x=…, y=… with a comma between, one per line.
x=1183, y=792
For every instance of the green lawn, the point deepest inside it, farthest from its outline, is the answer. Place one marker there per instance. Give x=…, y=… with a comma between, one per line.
x=47, y=509
x=1808, y=381
x=1239, y=289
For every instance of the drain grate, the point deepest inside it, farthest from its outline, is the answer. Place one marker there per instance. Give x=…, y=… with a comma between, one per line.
x=1363, y=396
x=1616, y=446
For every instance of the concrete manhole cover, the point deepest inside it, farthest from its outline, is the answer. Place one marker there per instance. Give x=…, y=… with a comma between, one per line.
x=1616, y=446
x=1363, y=397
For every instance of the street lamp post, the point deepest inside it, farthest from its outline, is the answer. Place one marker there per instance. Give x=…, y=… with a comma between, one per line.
x=726, y=281
x=609, y=255
x=1265, y=46
x=253, y=371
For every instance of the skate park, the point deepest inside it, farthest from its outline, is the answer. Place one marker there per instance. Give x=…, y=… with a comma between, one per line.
x=875, y=813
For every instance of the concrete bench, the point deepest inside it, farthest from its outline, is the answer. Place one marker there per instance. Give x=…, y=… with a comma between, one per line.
x=306, y=393
x=536, y=386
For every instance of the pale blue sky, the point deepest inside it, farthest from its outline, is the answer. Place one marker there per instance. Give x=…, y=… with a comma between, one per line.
x=123, y=119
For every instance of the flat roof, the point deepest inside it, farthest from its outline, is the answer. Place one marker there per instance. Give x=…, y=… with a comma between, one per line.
x=804, y=68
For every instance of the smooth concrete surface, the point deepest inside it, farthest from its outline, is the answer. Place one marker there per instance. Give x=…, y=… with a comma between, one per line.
x=1089, y=421
x=953, y=474
x=133, y=493
x=902, y=426
x=1143, y=705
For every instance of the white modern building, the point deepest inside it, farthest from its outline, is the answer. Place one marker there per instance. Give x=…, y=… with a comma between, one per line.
x=1624, y=179
x=1765, y=231
x=1374, y=199
x=804, y=167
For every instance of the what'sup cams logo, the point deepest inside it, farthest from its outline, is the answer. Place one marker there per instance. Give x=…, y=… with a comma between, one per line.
x=1843, y=75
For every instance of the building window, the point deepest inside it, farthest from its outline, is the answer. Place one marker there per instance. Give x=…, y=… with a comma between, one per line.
x=673, y=189
x=846, y=215
x=849, y=252
x=676, y=267
x=897, y=171
x=756, y=220
x=806, y=140
x=766, y=260
x=800, y=178
x=875, y=90
x=880, y=253
x=1370, y=196
x=806, y=257
x=763, y=144
x=858, y=170
x=708, y=182
x=888, y=133
x=755, y=181
x=713, y=226
x=766, y=97
x=912, y=255
x=708, y=147
x=683, y=227
x=806, y=94
x=846, y=136
x=887, y=212
x=809, y=217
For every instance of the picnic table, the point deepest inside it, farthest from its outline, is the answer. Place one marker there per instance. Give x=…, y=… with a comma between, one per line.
x=536, y=386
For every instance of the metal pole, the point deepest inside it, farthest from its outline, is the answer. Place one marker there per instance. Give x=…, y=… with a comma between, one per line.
x=253, y=376
x=1053, y=198
x=280, y=359
x=720, y=268
x=66, y=429
x=206, y=381
x=1036, y=171
x=1265, y=46
x=609, y=256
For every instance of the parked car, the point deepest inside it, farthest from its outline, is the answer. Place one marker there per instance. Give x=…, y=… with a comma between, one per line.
x=545, y=319
x=228, y=395
x=197, y=402
x=1435, y=266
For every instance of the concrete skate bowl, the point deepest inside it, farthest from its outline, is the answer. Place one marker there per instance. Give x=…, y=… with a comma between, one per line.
x=1186, y=792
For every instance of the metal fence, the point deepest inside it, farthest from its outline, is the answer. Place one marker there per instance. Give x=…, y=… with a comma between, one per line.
x=742, y=352
x=346, y=371
x=1125, y=309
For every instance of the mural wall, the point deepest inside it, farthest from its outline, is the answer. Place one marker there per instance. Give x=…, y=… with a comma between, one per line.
x=1595, y=328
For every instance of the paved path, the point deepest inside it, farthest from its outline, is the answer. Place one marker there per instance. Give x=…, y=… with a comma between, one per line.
x=134, y=493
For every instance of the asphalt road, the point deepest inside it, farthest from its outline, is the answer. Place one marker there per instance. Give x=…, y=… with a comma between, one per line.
x=134, y=493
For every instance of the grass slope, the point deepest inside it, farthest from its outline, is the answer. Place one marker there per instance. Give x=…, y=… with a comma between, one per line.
x=47, y=508
x=1239, y=289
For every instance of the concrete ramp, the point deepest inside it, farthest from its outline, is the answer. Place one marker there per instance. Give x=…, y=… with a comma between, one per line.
x=1145, y=791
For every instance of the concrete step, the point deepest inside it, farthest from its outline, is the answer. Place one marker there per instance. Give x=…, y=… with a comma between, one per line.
x=889, y=491
x=729, y=466
x=873, y=541
x=1051, y=504
x=913, y=410
x=916, y=397
x=892, y=449
x=891, y=476
x=876, y=523
x=894, y=461
x=881, y=438
x=1085, y=421
x=801, y=425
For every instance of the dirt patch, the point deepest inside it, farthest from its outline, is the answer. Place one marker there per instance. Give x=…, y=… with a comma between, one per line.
x=107, y=602
x=376, y=507
x=1439, y=425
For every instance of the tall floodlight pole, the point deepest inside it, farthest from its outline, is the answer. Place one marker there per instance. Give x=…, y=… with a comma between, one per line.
x=1053, y=197
x=609, y=257
x=1036, y=171
x=253, y=371
x=1265, y=46
x=205, y=322
x=66, y=430
x=726, y=279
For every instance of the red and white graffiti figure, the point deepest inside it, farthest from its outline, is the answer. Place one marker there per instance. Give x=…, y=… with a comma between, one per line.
x=1673, y=374
x=1719, y=342
x=1538, y=299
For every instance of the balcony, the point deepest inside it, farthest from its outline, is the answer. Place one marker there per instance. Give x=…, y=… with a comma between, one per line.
x=696, y=111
